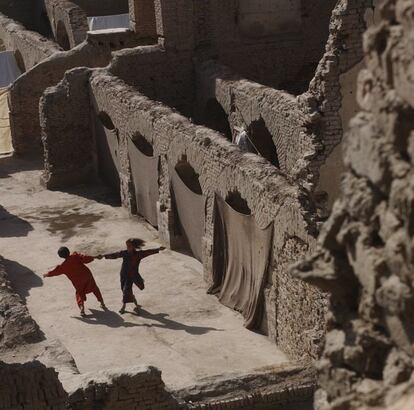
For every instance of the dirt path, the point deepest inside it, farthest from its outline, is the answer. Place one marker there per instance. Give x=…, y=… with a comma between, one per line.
x=181, y=330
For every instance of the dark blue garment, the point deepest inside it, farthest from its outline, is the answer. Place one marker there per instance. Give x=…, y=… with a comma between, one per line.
x=130, y=274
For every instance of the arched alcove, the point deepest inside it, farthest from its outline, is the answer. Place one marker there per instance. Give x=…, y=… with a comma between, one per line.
x=238, y=203
x=62, y=37
x=106, y=121
x=189, y=208
x=143, y=145
x=263, y=143
x=189, y=176
x=20, y=61
x=216, y=118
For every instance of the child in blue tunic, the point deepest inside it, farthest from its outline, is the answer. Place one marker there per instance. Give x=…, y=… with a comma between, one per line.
x=131, y=258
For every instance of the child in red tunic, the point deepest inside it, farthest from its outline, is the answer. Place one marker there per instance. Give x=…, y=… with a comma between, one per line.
x=80, y=276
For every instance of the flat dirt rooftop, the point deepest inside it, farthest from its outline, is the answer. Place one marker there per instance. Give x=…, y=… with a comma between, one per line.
x=181, y=330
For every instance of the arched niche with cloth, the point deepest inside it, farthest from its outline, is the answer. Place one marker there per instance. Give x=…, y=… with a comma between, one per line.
x=241, y=259
x=190, y=205
x=107, y=141
x=144, y=168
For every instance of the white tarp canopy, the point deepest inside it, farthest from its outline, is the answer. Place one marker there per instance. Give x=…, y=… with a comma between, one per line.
x=108, y=22
x=9, y=70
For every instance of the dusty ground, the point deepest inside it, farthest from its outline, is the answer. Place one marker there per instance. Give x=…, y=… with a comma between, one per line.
x=181, y=329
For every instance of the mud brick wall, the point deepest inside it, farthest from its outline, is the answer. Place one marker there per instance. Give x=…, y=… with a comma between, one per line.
x=30, y=47
x=165, y=76
x=288, y=119
x=58, y=125
x=30, y=386
x=365, y=252
x=68, y=21
x=27, y=12
x=102, y=7
x=142, y=17
x=343, y=51
x=16, y=325
x=26, y=92
x=138, y=388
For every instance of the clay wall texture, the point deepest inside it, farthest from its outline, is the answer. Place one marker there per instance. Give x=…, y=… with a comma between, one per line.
x=28, y=89
x=31, y=46
x=30, y=386
x=136, y=388
x=16, y=324
x=68, y=22
x=287, y=118
x=29, y=13
x=365, y=254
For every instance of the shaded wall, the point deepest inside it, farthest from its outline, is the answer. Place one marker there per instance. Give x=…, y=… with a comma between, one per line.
x=365, y=253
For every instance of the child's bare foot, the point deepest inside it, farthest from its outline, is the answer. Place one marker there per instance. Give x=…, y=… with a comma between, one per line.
x=103, y=306
x=122, y=310
x=136, y=309
x=82, y=312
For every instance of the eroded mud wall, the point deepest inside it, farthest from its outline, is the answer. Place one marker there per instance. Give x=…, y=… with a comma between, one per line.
x=365, y=258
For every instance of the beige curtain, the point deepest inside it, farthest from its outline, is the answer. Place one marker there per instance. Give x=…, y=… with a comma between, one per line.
x=5, y=133
x=191, y=208
x=145, y=175
x=241, y=260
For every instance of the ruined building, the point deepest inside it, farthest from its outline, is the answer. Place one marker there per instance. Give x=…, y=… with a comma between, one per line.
x=307, y=234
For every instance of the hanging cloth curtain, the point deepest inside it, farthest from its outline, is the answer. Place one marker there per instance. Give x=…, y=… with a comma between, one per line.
x=9, y=70
x=191, y=212
x=5, y=133
x=242, y=255
x=145, y=175
x=108, y=22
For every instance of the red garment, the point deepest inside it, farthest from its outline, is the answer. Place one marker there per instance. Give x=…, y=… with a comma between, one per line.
x=80, y=276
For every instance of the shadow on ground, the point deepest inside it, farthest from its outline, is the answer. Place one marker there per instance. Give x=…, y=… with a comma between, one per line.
x=114, y=320
x=165, y=322
x=21, y=278
x=11, y=226
x=10, y=165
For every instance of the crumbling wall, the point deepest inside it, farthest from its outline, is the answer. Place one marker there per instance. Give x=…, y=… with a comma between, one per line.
x=28, y=89
x=142, y=17
x=30, y=386
x=165, y=76
x=30, y=47
x=30, y=13
x=68, y=21
x=290, y=122
x=16, y=325
x=57, y=131
x=365, y=255
x=135, y=388
x=102, y=7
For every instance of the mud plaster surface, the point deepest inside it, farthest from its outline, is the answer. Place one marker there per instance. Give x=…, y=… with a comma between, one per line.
x=181, y=329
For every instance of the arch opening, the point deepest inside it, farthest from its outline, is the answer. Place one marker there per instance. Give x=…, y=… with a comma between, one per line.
x=106, y=121
x=263, y=142
x=62, y=36
x=216, y=118
x=143, y=145
x=189, y=176
x=238, y=203
x=20, y=61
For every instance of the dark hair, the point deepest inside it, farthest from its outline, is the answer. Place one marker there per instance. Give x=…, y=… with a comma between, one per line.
x=136, y=242
x=63, y=252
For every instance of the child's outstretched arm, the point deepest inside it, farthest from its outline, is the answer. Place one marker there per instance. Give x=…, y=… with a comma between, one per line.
x=55, y=272
x=115, y=255
x=150, y=252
